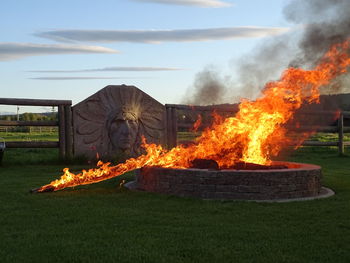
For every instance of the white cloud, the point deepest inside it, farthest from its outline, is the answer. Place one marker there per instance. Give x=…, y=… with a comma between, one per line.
x=108, y=69
x=159, y=36
x=10, y=50
x=199, y=3
x=78, y=78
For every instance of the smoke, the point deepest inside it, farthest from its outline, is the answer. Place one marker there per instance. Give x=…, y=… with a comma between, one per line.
x=265, y=64
x=320, y=24
x=326, y=22
x=208, y=88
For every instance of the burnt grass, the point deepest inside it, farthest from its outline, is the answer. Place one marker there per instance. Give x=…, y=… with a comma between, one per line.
x=105, y=222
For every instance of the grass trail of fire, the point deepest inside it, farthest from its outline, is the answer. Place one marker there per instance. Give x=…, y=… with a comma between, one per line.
x=253, y=135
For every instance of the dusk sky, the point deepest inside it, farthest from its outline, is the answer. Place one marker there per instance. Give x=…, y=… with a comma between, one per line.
x=71, y=49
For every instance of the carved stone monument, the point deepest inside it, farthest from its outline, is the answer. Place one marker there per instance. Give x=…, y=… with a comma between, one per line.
x=111, y=123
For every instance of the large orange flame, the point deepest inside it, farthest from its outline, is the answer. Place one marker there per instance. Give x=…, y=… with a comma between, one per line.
x=254, y=135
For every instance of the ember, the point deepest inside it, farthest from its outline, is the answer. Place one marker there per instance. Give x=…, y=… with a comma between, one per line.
x=253, y=136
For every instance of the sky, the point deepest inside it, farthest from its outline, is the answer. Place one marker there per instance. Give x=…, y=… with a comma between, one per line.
x=70, y=49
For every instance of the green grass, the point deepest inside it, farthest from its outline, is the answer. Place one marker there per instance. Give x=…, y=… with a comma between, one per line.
x=187, y=136
x=13, y=157
x=106, y=223
x=327, y=137
x=29, y=136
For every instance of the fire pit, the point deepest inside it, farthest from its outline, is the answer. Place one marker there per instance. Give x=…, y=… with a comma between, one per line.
x=257, y=133
x=298, y=180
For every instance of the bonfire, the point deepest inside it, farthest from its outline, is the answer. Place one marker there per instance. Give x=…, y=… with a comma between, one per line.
x=254, y=135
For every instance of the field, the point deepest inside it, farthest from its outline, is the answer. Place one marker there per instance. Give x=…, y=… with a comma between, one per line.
x=29, y=136
x=106, y=222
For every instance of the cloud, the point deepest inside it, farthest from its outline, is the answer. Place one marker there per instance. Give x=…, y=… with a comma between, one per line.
x=199, y=3
x=79, y=78
x=159, y=36
x=108, y=69
x=11, y=51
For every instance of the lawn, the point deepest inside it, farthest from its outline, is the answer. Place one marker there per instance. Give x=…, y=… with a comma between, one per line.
x=29, y=136
x=105, y=222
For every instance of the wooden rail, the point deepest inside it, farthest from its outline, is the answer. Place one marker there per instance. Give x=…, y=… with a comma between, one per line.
x=220, y=108
x=28, y=123
x=317, y=143
x=46, y=144
x=326, y=129
x=34, y=102
x=64, y=123
x=173, y=126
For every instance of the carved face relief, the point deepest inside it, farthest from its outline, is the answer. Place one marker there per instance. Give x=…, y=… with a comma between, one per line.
x=123, y=131
x=113, y=121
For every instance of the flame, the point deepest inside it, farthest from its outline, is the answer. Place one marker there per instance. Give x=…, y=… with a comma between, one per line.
x=254, y=135
x=197, y=123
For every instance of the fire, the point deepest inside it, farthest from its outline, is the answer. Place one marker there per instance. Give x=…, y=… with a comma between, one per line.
x=197, y=123
x=254, y=135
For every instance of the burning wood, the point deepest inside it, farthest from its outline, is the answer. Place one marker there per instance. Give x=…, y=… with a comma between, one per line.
x=254, y=166
x=204, y=164
x=253, y=136
x=213, y=165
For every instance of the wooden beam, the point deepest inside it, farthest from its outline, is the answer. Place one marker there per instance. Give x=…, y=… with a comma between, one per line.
x=171, y=127
x=28, y=123
x=168, y=128
x=316, y=112
x=326, y=129
x=346, y=114
x=19, y=144
x=174, y=126
x=219, y=108
x=188, y=126
x=61, y=132
x=68, y=131
x=34, y=102
x=317, y=143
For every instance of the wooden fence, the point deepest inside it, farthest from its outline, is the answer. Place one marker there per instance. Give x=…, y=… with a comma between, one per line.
x=64, y=123
x=173, y=126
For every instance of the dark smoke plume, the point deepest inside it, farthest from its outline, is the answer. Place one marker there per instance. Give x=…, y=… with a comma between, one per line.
x=326, y=22
x=320, y=24
x=264, y=64
x=208, y=88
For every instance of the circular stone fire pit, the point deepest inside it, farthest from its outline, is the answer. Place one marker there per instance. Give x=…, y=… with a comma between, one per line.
x=297, y=181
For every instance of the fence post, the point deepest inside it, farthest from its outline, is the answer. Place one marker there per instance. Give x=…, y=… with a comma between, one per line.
x=174, y=126
x=341, y=134
x=61, y=132
x=167, y=126
x=171, y=126
x=68, y=131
